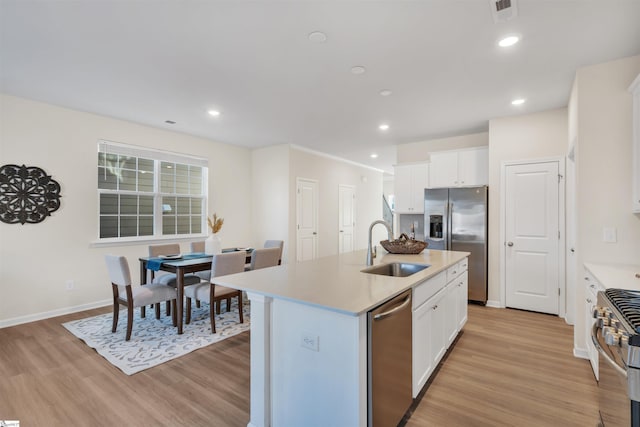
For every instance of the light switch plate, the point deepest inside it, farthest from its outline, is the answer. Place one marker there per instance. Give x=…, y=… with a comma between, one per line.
x=609, y=235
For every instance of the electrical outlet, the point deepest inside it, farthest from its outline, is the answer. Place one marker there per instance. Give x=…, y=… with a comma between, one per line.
x=70, y=285
x=310, y=341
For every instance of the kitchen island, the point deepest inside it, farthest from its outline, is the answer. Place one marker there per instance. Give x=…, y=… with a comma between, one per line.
x=309, y=332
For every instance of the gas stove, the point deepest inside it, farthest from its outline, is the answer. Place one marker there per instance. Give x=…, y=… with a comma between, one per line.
x=616, y=335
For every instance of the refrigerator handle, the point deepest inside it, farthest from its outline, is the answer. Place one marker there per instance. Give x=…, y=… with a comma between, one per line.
x=448, y=209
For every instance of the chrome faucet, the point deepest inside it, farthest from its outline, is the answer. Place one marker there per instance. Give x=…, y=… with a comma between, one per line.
x=371, y=253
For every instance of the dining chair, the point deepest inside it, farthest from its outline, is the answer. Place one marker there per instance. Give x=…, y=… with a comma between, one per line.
x=124, y=293
x=198, y=247
x=165, y=278
x=221, y=265
x=275, y=244
x=265, y=257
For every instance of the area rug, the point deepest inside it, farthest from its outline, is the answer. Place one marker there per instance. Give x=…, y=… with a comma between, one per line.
x=155, y=341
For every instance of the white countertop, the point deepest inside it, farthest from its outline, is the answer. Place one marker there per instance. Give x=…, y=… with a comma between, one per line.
x=336, y=282
x=622, y=276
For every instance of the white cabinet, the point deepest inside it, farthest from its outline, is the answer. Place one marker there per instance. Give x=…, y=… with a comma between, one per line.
x=439, y=313
x=592, y=286
x=459, y=168
x=409, y=184
x=635, y=91
x=456, y=302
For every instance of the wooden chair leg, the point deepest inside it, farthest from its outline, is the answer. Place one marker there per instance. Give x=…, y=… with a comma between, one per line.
x=188, y=312
x=197, y=303
x=174, y=316
x=218, y=306
x=212, y=315
x=129, y=320
x=168, y=309
x=157, y=307
x=228, y=305
x=116, y=313
x=143, y=312
x=240, y=306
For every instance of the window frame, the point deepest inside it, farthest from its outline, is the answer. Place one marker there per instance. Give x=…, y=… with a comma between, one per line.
x=158, y=157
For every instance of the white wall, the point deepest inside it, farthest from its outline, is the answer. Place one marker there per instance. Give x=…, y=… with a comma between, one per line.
x=330, y=173
x=530, y=136
x=603, y=129
x=37, y=259
x=271, y=198
x=419, y=151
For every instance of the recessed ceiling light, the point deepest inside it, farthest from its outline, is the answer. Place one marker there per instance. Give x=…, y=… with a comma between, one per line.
x=385, y=92
x=508, y=41
x=518, y=101
x=383, y=126
x=373, y=156
x=317, y=37
x=358, y=69
x=214, y=113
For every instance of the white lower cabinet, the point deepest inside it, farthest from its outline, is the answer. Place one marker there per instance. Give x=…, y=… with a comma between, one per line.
x=592, y=286
x=439, y=313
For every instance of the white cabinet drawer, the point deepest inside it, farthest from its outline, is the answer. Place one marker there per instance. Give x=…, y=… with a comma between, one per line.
x=428, y=288
x=464, y=265
x=456, y=270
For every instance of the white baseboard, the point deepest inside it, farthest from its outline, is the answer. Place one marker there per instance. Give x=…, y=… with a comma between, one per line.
x=494, y=304
x=53, y=313
x=580, y=353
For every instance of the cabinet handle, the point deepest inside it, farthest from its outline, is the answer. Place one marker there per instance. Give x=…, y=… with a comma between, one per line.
x=435, y=306
x=586, y=278
x=589, y=300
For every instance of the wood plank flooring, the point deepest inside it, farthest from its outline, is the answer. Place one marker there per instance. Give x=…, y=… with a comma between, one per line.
x=508, y=368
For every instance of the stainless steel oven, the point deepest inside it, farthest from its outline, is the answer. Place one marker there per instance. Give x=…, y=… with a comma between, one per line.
x=616, y=335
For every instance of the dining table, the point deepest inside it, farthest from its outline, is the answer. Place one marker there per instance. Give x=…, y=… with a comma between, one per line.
x=181, y=265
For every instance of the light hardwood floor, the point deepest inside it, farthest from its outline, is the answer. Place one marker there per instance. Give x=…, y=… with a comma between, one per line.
x=509, y=368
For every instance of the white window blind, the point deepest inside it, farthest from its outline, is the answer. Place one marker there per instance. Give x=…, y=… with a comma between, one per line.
x=149, y=193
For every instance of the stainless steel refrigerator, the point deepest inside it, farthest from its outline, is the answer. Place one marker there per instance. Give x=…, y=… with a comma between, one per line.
x=456, y=219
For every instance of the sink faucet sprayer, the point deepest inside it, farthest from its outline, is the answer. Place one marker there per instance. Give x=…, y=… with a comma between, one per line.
x=371, y=253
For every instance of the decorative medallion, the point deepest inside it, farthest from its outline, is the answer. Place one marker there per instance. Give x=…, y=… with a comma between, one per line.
x=27, y=194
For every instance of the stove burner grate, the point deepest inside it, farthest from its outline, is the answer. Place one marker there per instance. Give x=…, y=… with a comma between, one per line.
x=627, y=302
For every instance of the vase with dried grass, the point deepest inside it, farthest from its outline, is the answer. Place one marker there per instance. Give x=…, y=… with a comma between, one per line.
x=212, y=244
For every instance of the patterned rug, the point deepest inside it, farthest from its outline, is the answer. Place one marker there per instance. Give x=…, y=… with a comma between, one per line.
x=155, y=341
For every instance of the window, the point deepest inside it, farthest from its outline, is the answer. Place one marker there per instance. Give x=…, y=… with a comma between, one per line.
x=149, y=193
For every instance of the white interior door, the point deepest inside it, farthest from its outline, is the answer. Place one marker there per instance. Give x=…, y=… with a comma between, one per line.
x=532, y=230
x=307, y=219
x=571, y=256
x=347, y=218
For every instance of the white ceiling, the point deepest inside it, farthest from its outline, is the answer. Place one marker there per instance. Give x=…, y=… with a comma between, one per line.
x=151, y=61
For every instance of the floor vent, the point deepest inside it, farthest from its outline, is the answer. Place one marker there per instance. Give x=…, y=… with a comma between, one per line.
x=503, y=10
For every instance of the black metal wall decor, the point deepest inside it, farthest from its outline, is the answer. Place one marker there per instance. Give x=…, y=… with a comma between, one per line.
x=27, y=194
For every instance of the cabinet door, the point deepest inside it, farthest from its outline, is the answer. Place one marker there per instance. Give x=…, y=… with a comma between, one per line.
x=419, y=181
x=422, y=361
x=403, y=189
x=437, y=326
x=473, y=167
x=635, y=90
x=450, y=305
x=443, y=171
x=462, y=299
x=591, y=292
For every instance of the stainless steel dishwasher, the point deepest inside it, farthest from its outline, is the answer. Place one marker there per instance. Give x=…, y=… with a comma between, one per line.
x=389, y=361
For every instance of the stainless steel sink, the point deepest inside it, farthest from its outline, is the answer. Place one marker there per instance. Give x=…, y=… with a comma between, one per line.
x=396, y=269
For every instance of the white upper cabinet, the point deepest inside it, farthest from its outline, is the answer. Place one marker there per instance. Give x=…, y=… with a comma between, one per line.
x=459, y=168
x=409, y=183
x=635, y=91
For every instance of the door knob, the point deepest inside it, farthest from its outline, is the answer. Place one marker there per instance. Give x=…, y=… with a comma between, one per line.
x=509, y=243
